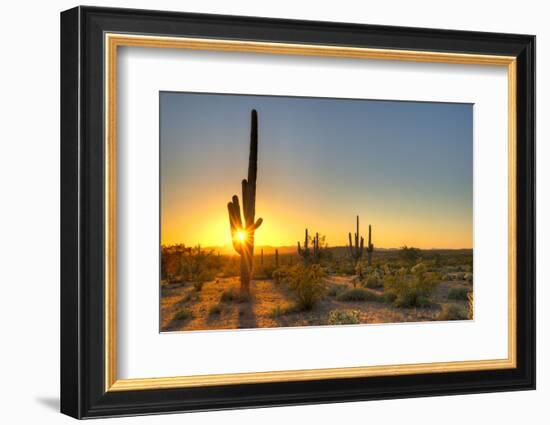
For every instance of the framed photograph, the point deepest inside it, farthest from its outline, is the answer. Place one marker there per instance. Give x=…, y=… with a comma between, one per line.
x=261, y=212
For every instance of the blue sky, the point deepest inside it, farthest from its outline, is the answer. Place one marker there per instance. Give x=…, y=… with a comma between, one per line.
x=404, y=167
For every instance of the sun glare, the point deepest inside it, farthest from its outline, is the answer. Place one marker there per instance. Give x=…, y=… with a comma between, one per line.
x=241, y=235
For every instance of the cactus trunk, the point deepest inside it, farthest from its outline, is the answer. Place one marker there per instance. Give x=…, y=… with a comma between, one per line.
x=277, y=258
x=243, y=232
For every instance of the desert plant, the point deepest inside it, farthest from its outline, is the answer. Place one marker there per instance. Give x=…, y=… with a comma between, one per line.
x=277, y=258
x=343, y=317
x=373, y=280
x=409, y=255
x=183, y=314
x=411, y=290
x=470, y=305
x=309, y=255
x=279, y=311
x=459, y=294
x=358, y=294
x=308, y=285
x=242, y=233
x=335, y=290
x=356, y=247
x=452, y=312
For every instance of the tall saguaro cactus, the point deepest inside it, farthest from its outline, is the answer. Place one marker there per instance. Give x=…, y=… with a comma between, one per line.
x=356, y=247
x=356, y=251
x=242, y=231
x=370, y=249
x=310, y=254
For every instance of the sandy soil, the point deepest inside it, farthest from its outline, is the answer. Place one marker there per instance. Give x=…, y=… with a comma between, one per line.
x=204, y=309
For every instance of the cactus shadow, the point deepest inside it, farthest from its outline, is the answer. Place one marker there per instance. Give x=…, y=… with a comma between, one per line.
x=247, y=317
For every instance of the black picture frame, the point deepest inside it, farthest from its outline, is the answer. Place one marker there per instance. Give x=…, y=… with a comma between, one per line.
x=82, y=219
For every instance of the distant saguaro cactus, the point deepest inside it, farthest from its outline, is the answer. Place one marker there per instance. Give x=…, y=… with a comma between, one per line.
x=370, y=249
x=310, y=254
x=242, y=233
x=277, y=258
x=356, y=246
x=356, y=251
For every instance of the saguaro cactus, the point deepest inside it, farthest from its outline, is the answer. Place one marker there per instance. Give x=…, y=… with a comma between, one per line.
x=242, y=232
x=370, y=249
x=308, y=254
x=277, y=258
x=356, y=251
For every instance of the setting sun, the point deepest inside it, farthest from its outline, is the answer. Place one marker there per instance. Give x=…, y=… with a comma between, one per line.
x=241, y=235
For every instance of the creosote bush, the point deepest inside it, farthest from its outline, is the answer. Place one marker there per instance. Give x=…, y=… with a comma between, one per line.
x=459, y=294
x=343, y=317
x=307, y=284
x=411, y=290
x=453, y=312
x=358, y=294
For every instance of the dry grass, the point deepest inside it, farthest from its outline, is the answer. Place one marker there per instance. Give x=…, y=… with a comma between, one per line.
x=219, y=305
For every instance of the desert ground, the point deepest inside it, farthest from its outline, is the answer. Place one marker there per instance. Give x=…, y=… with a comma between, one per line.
x=434, y=286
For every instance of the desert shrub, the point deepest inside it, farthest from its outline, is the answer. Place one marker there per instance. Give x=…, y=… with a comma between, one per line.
x=279, y=311
x=452, y=312
x=411, y=290
x=459, y=294
x=183, y=314
x=388, y=297
x=234, y=295
x=231, y=267
x=264, y=272
x=281, y=274
x=198, y=264
x=308, y=285
x=409, y=254
x=335, y=290
x=191, y=296
x=198, y=286
x=373, y=281
x=343, y=317
x=358, y=294
x=215, y=310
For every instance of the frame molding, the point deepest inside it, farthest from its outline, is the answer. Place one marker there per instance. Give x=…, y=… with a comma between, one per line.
x=89, y=41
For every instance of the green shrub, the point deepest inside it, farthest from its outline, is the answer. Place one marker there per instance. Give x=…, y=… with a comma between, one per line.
x=411, y=290
x=459, y=294
x=373, y=281
x=183, y=314
x=234, y=295
x=453, y=312
x=308, y=285
x=358, y=294
x=343, y=317
x=335, y=290
x=281, y=274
